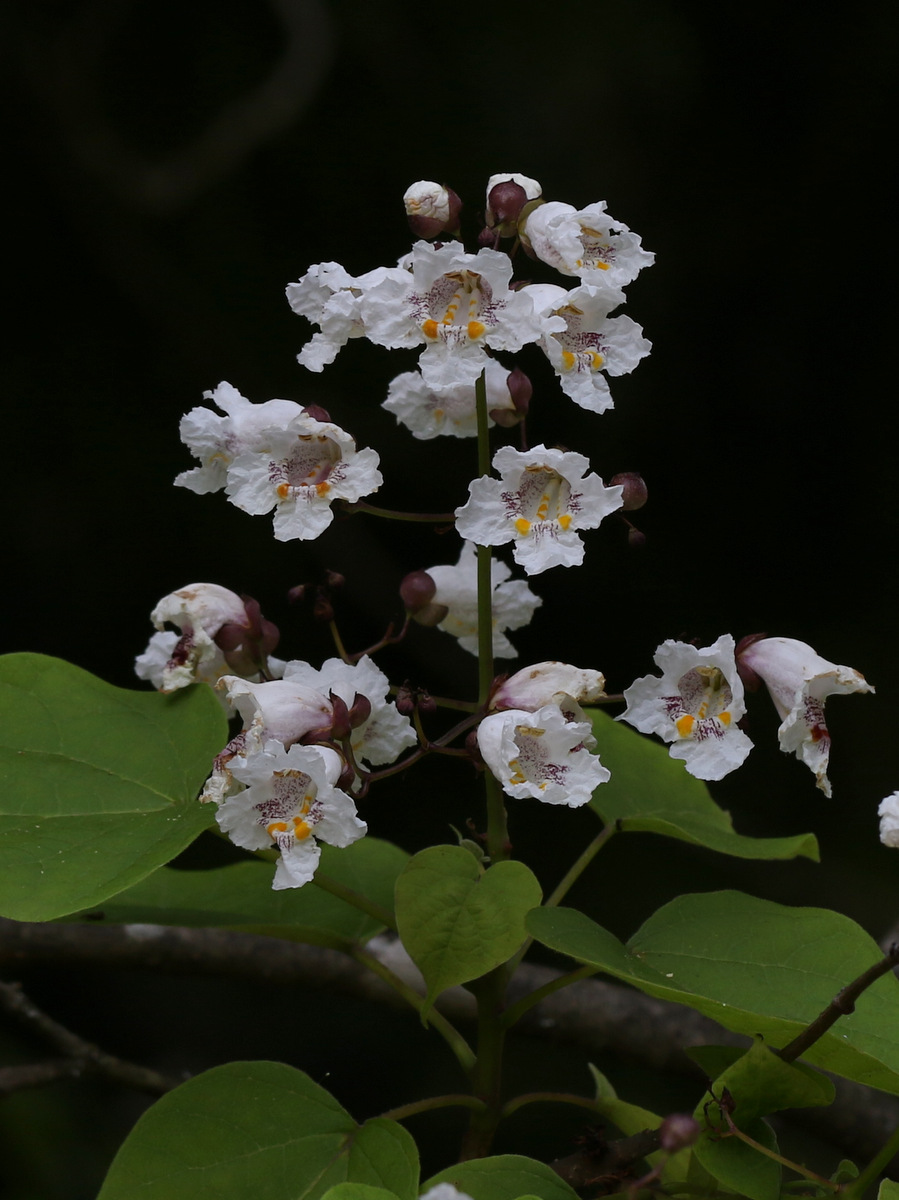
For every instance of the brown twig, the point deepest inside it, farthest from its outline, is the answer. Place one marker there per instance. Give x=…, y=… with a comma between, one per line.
x=80, y=1057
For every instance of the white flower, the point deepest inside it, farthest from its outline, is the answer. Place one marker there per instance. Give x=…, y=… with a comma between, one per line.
x=199, y=611
x=429, y=412
x=799, y=681
x=427, y=199
x=582, y=341
x=280, y=710
x=290, y=800
x=329, y=297
x=696, y=705
x=543, y=498
x=385, y=732
x=889, y=820
x=549, y=683
x=303, y=469
x=455, y=304
x=540, y=754
x=588, y=243
x=457, y=589
x=216, y=441
x=444, y=1191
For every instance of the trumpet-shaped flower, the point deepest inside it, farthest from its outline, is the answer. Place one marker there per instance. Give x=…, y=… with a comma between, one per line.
x=543, y=498
x=588, y=243
x=889, y=820
x=455, y=304
x=216, y=441
x=302, y=470
x=330, y=297
x=799, y=681
x=382, y=736
x=199, y=611
x=550, y=683
x=290, y=800
x=584, y=343
x=695, y=705
x=457, y=590
x=541, y=754
x=429, y=411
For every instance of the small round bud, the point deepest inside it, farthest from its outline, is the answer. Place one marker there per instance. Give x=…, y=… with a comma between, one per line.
x=635, y=538
x=317, y=413
x=333, y=579
x=507, y=195
x=405, y=700
x=678, y=1131
x=417, y=591
x=322, y=609
x=296, y=594
x=634, y=494
x=431, y=209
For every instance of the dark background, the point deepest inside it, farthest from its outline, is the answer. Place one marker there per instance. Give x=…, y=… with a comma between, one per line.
x=171, y=167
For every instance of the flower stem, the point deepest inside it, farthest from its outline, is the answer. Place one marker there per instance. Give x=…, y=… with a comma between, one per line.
x=392, y=514
x=857, y=1187
x=518, y=1009
x=486, y=1073
x=580, y=864
x=356, y=899
x=460, y=1100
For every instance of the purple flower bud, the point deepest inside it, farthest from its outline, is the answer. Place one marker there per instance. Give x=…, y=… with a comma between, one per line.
x=751, y=680
x=417, y=591
x=317, y=413
x=340, y=719
x=322, y=609
x=432, y=209
x=635, y=538
x=360, y=710
x=405, y=700
x=635, y=492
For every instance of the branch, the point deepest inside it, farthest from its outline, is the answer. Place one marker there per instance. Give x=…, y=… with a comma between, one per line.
x=596, y=1016
x=81, y=1057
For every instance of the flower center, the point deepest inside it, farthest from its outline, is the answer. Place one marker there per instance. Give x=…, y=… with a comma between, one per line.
x=455, y=305
x=543, y=498
x=581, y=348
x=702, y=707
x=598, y=253
x=533, y=763
x=311, y=463
x=289, y=814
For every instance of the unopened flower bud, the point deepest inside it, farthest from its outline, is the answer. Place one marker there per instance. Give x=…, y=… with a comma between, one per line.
x=417, y=591
x=431, y=209
x=359, y=710
x=317, y=413
x=340, y=719
x=426, y=702
x=678, y=1131
x=635, y=538
x=334, y=579
x=634, y=494
x=296, y=594
x=405, y=700
x=751, y=680
x=322, y=609
x=520, y=391
x=507, y=195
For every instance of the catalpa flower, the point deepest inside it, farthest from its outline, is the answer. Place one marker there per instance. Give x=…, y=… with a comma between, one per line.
x=301, y=471
x=290, y=800
x=456, y=590
x=429, y=412
x=385, y=733
x=542, y=755
x=588, y=243
x=455, y=304
x=216, y=441
x=799, y=681
x=329, y=297
x=542, y=499
x=889, y=820
x=556, y=683
x=695, y=705
x=588, y=344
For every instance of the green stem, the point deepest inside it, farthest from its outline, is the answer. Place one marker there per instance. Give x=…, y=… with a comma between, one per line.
x=392, y=514
x=517, y=1010
x=580, y=864
x=486, y=1075
x=456, y=1042
x=356, y=899
x=433, y=1102
x=547, y=1098
x=857, y=1187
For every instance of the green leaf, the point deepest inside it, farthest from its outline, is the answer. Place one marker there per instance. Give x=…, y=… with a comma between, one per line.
x=889, y=1190
x=358, y=1191
x=257, y=1131
x=760, y=1083
x=756, y=967
x=241, y=897
x=631, y=1119
x=504, y=1177
x=458, y=921
x=98, y=785
x=741, y=1167
x=651, y=792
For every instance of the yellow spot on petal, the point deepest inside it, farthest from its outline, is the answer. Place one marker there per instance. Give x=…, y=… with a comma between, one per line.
x=476, y=330
x=301, y=829
x=568, y=360
x=276, y=827
x=565, y=520
x=596, y=360
x=323, y=488
x=522, y=525
x=429, y=329
x=724, y=717
x=283, y=490
x=685, y=725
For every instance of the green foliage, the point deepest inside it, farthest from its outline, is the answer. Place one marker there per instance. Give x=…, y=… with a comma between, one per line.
x=504, y=1177
x=98, y=785
x=740, y=1166
x=651, y=792
x=631, y=1119
x=760, y=1082
x=755, y=967
x=457, y=920
x=257, y=1131
x=241, y=897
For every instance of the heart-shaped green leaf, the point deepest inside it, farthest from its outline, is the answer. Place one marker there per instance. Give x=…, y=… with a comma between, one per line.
x=98, y=785
x=651, y=792
x=257, y=1131
x=755, y=967
x=458, y=921
x=504, y=1177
